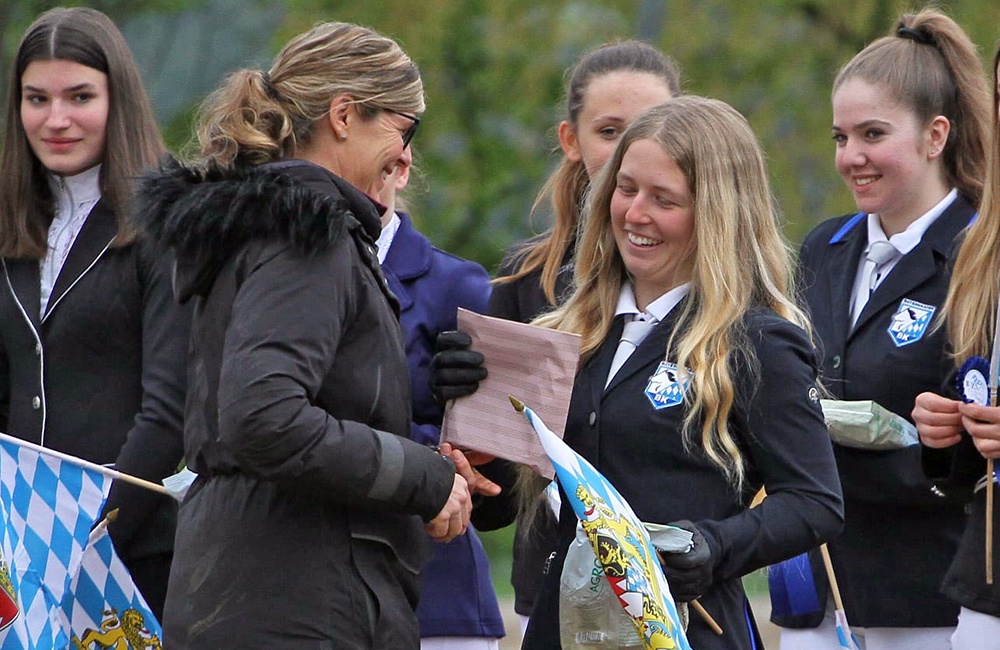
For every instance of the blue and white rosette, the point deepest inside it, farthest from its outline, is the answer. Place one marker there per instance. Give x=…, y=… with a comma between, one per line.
x=972, y=381
x=972, y=384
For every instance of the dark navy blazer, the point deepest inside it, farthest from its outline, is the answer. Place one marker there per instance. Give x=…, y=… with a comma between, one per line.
x=899, y=534
x=457, y=597
x=776, y=421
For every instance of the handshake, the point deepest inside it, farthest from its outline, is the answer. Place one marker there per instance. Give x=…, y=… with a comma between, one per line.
x=454, y=517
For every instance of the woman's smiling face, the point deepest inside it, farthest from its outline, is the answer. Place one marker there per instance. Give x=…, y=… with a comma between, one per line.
x=64, y=112
x=652, y=217
x=883, y=152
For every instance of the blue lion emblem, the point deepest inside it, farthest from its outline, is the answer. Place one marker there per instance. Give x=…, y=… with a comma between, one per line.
x=665, y=387
x=910, y=322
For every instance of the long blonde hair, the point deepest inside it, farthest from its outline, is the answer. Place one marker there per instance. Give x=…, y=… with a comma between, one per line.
x=258, y=116
x=973, y=291
x=738, y=258
x=565, y=189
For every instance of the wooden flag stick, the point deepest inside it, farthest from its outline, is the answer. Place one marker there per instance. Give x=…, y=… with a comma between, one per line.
x=994, y=374
x=989, y=521
x=831, y=576
x=100, y=469
x=705, y=616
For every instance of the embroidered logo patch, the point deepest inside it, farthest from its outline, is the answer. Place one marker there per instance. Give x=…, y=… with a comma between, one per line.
x=910, y=322
x=665, y=388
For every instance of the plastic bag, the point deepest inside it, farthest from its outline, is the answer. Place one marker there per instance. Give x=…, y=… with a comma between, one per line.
x=865, y=424
x=590, y=615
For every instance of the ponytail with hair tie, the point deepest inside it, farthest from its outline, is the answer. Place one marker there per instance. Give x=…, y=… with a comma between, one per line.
x=918, y=35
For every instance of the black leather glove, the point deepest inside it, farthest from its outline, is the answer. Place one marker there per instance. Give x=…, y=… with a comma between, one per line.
x=455, y=369
x=688, y=574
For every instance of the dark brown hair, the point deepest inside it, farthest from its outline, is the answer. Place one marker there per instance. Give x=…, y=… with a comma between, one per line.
x=566, y=187
x=930, y=65
x=132, y=141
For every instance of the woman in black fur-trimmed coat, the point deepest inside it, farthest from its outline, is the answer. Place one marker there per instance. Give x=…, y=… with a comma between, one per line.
x=306, y=526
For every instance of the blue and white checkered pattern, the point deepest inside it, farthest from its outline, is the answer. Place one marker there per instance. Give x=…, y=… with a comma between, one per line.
x=48, y=508
x=103, y=585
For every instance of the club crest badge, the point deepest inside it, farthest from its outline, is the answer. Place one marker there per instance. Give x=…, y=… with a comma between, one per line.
x=910, y=322
x=665, y=387
x=8, y=603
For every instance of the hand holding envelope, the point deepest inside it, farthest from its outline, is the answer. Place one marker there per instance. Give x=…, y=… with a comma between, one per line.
x=524, y=360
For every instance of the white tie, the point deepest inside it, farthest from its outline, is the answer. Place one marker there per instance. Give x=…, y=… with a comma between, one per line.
x=632, y=336
x=878, y=255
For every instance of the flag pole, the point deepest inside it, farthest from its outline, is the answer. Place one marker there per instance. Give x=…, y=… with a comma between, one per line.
x=86, y=464
x=990, y=478
x=831, y=576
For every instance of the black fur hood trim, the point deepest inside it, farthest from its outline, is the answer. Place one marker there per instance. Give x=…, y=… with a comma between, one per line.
x=204, y=217
x=187, y=209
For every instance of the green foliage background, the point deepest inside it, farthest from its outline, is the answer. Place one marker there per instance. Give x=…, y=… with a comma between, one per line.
x=493, y=71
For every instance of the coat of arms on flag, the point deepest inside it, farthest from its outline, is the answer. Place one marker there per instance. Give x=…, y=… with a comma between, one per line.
x=620, y=542
x=8, y=601
x=61, y=584
x=104, y=609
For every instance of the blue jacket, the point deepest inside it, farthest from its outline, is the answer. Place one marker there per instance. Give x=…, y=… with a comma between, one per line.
x=457, y=597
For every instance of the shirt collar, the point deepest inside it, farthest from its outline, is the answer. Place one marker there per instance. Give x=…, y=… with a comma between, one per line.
x=384, y=240
x=81, y=188
x=658, y=309
x=907, y=240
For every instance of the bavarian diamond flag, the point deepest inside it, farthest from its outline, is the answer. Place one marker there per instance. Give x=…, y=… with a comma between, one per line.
x=103, y=607
x=620, y=542
x=47, y=508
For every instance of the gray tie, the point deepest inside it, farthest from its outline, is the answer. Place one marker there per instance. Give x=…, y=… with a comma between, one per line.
x=632, y=336
x=879, y=254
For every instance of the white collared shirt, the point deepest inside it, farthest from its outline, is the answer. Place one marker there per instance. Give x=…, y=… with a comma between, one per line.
x=656, y=310
x=385, y=238
x=74, y=198
x=904, y=242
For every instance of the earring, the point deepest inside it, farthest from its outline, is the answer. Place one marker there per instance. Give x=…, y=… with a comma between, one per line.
x=342, y=136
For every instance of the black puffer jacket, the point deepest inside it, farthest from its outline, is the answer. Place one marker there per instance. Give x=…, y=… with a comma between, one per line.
x=304, y=529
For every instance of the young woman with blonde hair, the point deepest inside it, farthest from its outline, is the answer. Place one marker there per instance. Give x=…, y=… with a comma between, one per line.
x=956, y=461
x=910, y=119
x=606, y=89
x=718, y=398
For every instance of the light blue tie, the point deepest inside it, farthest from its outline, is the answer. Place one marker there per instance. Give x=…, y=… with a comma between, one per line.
x=633, y=334
x=879, y=254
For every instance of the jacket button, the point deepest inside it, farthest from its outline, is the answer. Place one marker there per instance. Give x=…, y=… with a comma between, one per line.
x=836, y=361
x=36, y=402
x=593, y=418
x=38, y=349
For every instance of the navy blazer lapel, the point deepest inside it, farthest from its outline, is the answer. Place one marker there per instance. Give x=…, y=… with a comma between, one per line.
x=653, y=348
x=839, y=279
x=409, y=258
x=24, y=277
x=98, y=231
x=920, y=264
x=597, y=368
